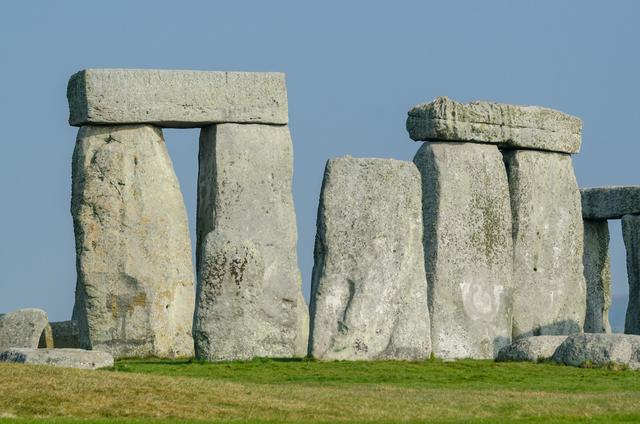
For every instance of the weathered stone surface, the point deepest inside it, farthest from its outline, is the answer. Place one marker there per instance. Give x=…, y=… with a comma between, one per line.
x=369, y=288
x=134, y=294
x=531, y=348
x=46, y=338
x=597, y=274
x=22, y=328
x=631, y=236
x=66, y=358
x=611, y=202
x=175, y=98
x=244, y=192
x=600, y=349
x=529, y=127
x=468, y=248
x=550, y=292
x=65, y=334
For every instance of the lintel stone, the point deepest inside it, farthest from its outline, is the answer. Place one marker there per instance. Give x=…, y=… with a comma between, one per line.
x=179, y=99
x=610, y=202
x=509, y=126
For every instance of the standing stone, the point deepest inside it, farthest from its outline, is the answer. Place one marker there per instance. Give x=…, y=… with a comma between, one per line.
x=244, y=194
x=597, y=274
x=369, y=288
x=468, y=248
x=631, y=236
x=65, y=334
x=134, y=294
x=22, y=328
x=549, y=293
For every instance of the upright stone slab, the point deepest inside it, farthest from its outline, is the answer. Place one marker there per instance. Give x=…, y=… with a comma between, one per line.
x=369, y=288
x=597, y=275
x=468, y=248
x=22, y=328
x=550, y=293
x=511, y=126
x=631, y=236
x=244, y=192
x=134, y=294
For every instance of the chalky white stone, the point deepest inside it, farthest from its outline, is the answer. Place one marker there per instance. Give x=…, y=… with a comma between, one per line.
x=244, y=195
x=169, y=98
x=549, y=293
x=597, y=275
x=468, y=248
x=134, y=294
x=369, y=288
x=512, y=126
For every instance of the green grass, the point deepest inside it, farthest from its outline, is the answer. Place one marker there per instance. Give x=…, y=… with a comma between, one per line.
x=161, y=391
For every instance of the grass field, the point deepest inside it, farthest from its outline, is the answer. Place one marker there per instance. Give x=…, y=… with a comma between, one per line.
x=150, y=391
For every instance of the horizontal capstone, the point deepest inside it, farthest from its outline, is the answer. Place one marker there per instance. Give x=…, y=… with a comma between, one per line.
x=610, y=202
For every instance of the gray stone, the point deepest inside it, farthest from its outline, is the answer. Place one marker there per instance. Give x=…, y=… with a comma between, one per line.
x=134, y=294
x=529, y=127
x=22, y=328
x=597, y=274
x=536, y=348
x=65, y=358
x=468, y=248
x=611, y=202
x=244, y=191
x=46, y=338
x=175, y=98
x=631, y=236
x=550, y=291
x=65, y=334
x=600, y=350
x=369, y=288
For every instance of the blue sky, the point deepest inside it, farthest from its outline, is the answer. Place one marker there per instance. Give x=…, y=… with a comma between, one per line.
x=353, y=70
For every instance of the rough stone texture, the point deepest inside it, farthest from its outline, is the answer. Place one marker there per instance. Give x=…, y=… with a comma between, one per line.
x=175, y=98
x=22, y=328
x=597, y=274
x=550, y=291
x=528, y=127
x=468, y=248
x=46, y=338
x=65, y=334
x=244, y=191
x=134, y=294
x=531, y=348
x=611, y=202
x=631, y=236
x=66, y=358
x=369, y=288
x=600, y=349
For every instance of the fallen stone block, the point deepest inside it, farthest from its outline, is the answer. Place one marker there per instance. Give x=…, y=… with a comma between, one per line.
x=369, y=288
x=512, y=126
x=244, y=192
x=550, y=292
x=175, y=98
x=597, y=274
x=631, y=236
x=134, y=293
x=600, y=350
x=22, y=328
x=532, y=349
x=612, y=202
x=65, y=358
x=468, y=248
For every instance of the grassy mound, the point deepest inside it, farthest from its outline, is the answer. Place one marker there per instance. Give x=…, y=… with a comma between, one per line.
x=145, y=391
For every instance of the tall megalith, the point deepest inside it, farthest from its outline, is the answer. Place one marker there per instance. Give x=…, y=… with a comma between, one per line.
x=369, y=288
x=249, y=298
x=468, y=248
x=135, y=283
x=597, y=275
x=631, y=236
x=550, y=290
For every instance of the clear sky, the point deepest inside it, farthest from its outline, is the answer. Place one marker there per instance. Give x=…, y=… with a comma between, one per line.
x=353, y=70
